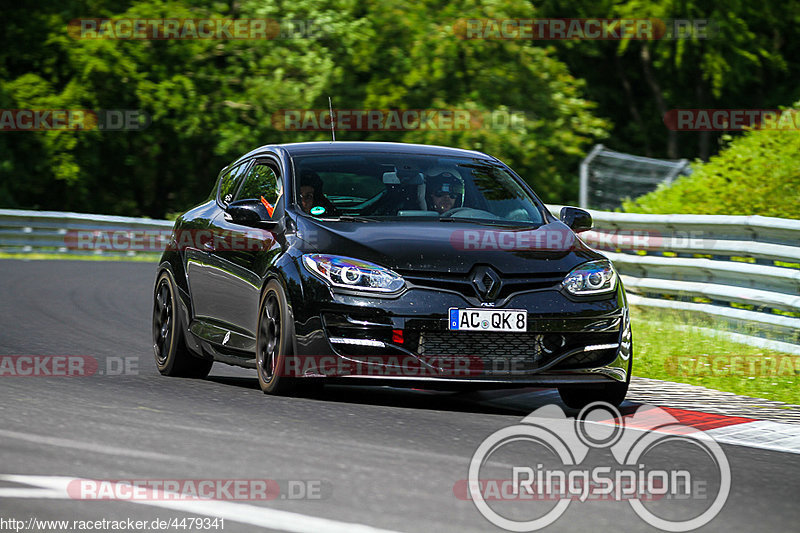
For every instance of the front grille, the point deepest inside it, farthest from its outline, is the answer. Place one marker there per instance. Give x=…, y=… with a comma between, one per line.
x=484, y=353
x=478, y=353
x=462, y=283
x=495, y=353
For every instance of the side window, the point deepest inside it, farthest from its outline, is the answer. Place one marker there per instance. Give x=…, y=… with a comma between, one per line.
x=215, y=189
x=262, y=183
x=229, y=182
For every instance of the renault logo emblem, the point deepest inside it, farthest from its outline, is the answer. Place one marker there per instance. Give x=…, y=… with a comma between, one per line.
x=486, y=281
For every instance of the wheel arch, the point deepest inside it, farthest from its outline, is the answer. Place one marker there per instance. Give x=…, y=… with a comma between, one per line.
x=285, y=272
x=185, y=309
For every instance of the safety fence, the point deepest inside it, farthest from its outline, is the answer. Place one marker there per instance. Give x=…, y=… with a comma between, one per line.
x=744, y=270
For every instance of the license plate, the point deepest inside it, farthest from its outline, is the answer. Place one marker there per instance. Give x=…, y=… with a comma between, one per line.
x=488, y=319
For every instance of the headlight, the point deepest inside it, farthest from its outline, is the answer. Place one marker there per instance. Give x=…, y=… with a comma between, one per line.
x=349, y=273
x=594, y=277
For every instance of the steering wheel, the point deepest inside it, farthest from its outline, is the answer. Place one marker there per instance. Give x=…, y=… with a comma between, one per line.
x=474, y=212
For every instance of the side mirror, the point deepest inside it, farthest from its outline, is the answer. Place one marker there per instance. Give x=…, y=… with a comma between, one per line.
x=578, y=220
x=250, y=213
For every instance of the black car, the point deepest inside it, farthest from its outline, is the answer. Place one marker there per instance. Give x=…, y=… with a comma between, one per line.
x=392, y=264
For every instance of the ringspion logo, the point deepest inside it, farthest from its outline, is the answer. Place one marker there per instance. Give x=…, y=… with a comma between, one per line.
x=544, y=459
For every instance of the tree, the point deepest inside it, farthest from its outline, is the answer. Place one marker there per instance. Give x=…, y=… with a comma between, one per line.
x=749, y=60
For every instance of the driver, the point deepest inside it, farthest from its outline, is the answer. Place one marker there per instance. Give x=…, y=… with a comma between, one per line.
x=445, y=192
x=311, y=195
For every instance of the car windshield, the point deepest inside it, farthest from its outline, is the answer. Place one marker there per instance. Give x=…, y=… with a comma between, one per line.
x=411, y=186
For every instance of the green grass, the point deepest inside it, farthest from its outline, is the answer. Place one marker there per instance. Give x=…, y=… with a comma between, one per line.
x=147, y=258
x=669, y=345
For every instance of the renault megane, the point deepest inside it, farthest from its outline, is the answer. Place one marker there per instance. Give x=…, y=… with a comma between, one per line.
x=388, y=263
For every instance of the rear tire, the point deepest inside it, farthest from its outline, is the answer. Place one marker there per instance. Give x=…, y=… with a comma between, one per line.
x=173, y=358
x=274, y=341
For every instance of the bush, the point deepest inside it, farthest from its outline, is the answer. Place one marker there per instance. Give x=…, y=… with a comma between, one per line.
x=758, y=173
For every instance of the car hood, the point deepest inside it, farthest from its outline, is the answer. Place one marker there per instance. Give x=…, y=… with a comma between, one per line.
x=452, y=247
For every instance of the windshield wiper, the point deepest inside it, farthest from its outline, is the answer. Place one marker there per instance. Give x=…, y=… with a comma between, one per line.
x=354, y=218
x=491, y=222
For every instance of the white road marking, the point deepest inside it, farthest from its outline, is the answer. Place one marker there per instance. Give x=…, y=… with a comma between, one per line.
x=13, y=492
x=86, y=446
x=236, y=512
x=763, y=434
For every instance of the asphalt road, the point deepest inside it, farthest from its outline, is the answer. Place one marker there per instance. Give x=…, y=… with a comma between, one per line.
x=376, y=457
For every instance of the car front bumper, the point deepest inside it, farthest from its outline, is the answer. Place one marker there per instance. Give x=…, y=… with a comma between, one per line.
x=405, y=340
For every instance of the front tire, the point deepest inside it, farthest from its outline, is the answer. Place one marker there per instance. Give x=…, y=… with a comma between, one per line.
x=577, y=397
x=580, y=397
x=274, y=341
x=173, y=358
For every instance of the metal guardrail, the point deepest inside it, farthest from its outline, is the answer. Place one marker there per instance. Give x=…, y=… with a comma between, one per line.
x=744, y=270
x=49, y=232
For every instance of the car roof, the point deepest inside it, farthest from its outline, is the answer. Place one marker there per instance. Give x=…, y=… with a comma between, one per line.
x=352, y=147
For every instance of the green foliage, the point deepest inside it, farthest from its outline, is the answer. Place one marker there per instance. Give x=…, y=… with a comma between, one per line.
x=758, y=173
x=748, y=59
x=212, y=100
